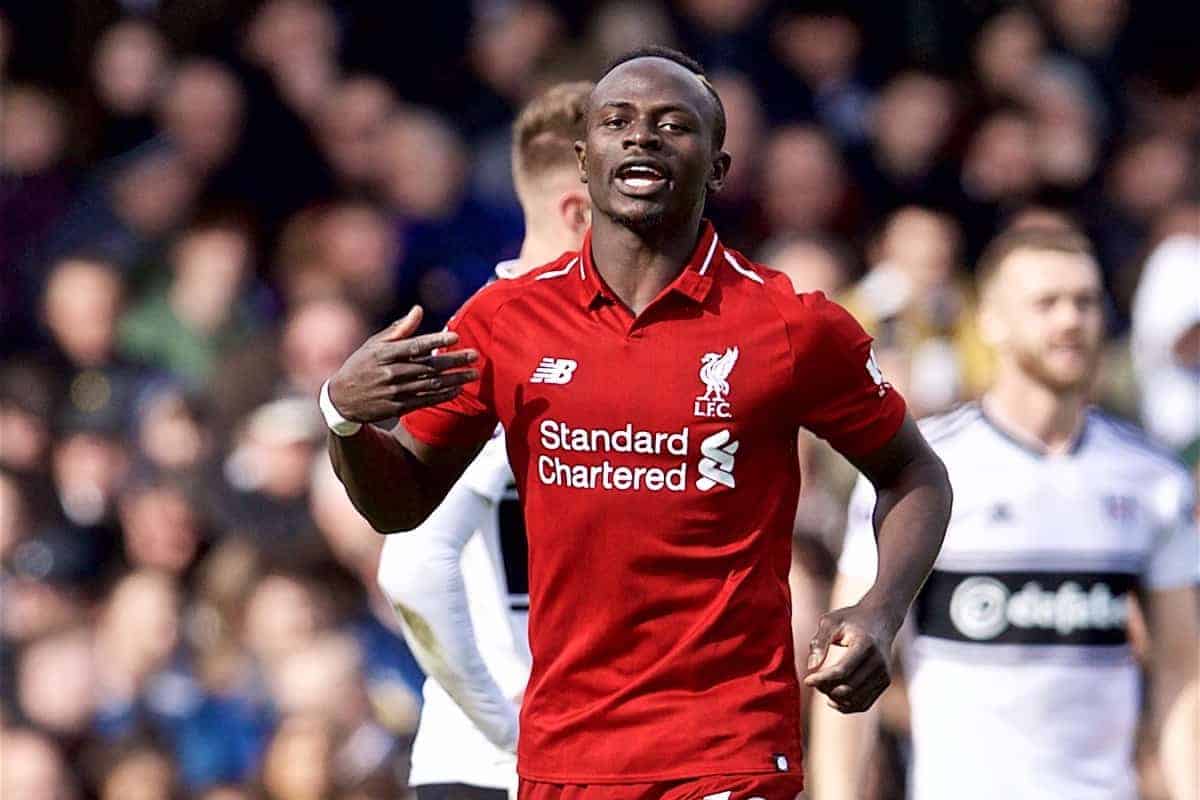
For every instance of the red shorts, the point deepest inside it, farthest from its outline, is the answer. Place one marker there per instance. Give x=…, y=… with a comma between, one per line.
x=780, y=786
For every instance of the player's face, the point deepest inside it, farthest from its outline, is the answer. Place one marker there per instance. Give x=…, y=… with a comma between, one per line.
x=648, y=156
x=1049, y=316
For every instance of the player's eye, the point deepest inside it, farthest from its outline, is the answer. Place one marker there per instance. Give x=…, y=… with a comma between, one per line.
x=614, y=122
x=674, y=127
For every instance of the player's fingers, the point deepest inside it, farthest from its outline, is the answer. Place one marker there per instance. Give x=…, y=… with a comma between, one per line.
x=444, y=361
x=390, y=352
x=404, y=327
x=431, y=398
x=437, y=382
x=869, y=671
x=826, y=678
x=865, y=697
x=858, y=693
x=818, y=646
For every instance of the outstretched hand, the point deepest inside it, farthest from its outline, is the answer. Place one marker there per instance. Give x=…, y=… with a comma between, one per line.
x=392, y=374
x=850, y=658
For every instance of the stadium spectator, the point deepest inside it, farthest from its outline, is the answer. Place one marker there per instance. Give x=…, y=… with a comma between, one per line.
x=56, y=688
x=618, y=25
x=186, y=325
x=128, y=70
x=298, y=764
x=1166, y=341
x=901, y=163
x=265, y=489
x=812, y=264
x=173, y=433
x=201, y=114
x=296, y=42
x=736, y=208
x=290, y=361
x=160, y=525
x=359, y=248
x=821, y=48
x=999, y=175
x=136, y=638
x=804, y=191
x=27, y=401
x=137, y=769
x=37, y=186
x=31, y=767
x=915, y=304
x=1007, y=50
x=351, y=117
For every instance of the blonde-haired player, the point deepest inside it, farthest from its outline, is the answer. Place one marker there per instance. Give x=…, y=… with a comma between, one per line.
x=459, y=582
x=1021, y=679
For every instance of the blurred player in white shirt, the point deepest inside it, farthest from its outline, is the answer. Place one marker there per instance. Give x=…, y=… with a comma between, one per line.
x=459, y=582
x=1021, y=679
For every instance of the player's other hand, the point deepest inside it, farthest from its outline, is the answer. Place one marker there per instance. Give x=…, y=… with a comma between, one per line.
x=395, y=372
x=850, y=658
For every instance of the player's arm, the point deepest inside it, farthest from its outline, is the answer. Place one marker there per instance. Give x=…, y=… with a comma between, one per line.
x=1172, y=615
x=839, y=744
x=912, y=510
x=1170, y=594
x=422, y=577
x=395, y=480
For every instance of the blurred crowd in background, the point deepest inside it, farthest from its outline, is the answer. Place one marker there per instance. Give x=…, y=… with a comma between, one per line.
x=206, y=206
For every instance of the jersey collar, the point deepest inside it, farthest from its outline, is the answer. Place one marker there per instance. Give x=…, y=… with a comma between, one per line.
x=693, y=282
x=1032, y=448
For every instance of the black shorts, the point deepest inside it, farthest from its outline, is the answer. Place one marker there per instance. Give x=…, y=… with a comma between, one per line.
x=458, y=791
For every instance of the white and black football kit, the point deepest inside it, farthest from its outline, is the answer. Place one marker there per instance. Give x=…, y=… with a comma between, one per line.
x=459, y=584
x=1020, y=675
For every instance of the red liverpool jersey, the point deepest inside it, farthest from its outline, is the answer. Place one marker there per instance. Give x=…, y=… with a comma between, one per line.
x=656, y=459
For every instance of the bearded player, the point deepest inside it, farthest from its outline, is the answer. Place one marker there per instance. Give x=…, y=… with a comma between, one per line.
x=459, y=583
x=658, y=511
x=1021, y=678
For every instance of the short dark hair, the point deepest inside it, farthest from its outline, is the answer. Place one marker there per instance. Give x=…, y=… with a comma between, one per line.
x=1037, y=238
x=688, y=63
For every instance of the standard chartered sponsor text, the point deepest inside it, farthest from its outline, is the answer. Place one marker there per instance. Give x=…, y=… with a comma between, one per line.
x=558, y=436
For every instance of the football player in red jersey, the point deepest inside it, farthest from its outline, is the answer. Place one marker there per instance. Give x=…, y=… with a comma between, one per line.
x=651, y=386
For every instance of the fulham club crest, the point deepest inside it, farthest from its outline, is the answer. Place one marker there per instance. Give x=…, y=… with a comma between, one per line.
x=714, y=372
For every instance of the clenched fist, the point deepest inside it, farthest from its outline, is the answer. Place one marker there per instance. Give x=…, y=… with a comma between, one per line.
x=854, y=674
x=392, y=374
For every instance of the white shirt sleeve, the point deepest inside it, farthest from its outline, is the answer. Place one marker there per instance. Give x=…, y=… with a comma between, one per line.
x=1175, y=559
x=860, y=557
x=489, y=474
x=421, y=575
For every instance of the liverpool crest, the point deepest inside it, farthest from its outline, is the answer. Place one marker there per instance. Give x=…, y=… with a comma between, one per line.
x=714, y=373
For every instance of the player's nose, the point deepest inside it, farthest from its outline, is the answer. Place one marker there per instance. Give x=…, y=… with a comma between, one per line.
x=643, y=134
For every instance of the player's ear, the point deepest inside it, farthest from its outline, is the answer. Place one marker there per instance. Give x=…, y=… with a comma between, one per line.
x=719, y=171
x=581, y=158
x=575, y=212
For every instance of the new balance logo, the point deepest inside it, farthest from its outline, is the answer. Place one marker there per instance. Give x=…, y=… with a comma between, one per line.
x=716, y=461
x=554, y=370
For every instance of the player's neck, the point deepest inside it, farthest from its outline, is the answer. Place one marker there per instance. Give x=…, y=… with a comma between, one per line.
x=638, y=265
x=1047, y=419
x=538, y=250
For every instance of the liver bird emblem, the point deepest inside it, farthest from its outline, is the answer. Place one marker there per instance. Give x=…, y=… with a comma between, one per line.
x=715, y=370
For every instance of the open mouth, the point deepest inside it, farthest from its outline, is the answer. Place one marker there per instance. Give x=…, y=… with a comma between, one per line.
x=641, y=178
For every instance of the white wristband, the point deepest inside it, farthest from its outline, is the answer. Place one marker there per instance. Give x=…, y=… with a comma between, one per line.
x=336, y=422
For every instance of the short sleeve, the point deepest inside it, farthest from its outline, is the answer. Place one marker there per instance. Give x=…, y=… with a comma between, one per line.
x=859, y=557
x=469, y=418
x=489, y=474
x=841, y=394
x=1175, y=560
